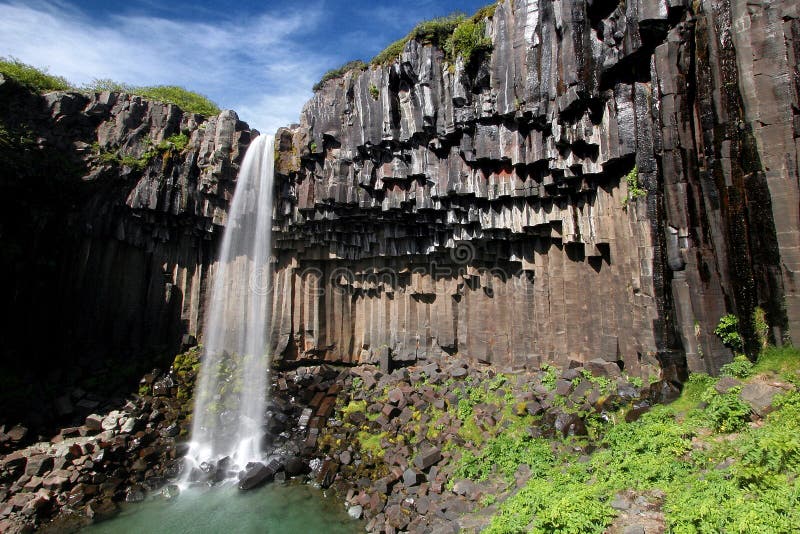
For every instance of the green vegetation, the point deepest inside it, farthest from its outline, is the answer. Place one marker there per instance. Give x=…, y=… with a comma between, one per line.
x=174, y=142
x=189, y=101
x=550, y=376
x=36, y=79
x=455, y=34
x=177, y=142
x=374, y=92
x=505, y=453
x=468, y=41
x=761, y=327
x=740, y=367
x=371, y=443
x=635, y=189
x=782, y=361
x=186, y=366
x=745, y=482
x=341, y=71
x=728, y=332
x=40, y=80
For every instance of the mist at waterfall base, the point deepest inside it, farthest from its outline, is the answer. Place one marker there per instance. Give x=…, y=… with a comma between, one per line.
x=232, y=386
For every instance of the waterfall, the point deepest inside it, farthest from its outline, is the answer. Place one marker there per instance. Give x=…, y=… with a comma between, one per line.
x=231, y=392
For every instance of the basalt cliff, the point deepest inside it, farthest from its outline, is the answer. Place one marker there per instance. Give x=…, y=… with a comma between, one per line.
x=114, y=211
x=605, y=182
x=608, y=182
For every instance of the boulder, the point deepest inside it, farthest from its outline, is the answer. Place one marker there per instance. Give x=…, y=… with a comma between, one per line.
x=427, y=457
x=355, y=511
x=410, y=478
x=601, y=367
x=94, y=422
x=163, y=387
x=760, y=395
x=257, y=474
x=38, y=465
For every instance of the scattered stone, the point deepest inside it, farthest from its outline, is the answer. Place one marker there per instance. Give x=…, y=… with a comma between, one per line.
x=355, y=511
x=38, y=465
x=94, y=422
x=427, y=457
x=725, y=384
x=410, y=478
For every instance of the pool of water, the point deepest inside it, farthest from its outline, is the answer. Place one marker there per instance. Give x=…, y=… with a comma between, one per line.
x=272, y=509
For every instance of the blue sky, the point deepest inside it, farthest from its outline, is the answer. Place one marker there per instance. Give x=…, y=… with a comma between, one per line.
x=258, y=58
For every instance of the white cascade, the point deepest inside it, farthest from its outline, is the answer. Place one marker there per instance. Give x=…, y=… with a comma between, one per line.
x=232, y=387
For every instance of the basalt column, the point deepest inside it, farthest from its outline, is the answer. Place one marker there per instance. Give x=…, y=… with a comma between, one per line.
x=597, y=186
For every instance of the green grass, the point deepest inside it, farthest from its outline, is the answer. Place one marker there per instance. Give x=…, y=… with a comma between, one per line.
x=674, y=449
x=635, y=189
x=177, y=142
x=778, y=360
x=455, y=34
x=40, y=80
x=468, y=41
x=35, y=78
x=341, y=71
x=189, y=101
x=371, y=443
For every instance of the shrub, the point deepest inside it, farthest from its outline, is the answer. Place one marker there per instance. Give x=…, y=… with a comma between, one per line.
x=740, y=367
x=373, y=92
x=177, y=142
x=549, y=377
x=341, y=71
x=36, y=79
x=505, y=452
x=728, y=331
x=726, y=412
x=468, y=41
x=183, y=98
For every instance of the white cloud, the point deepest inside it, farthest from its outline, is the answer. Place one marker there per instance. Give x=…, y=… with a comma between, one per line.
x=259, y=67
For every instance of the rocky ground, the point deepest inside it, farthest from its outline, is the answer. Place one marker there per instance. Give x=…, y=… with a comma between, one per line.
x=396, y=443
x=437, y=447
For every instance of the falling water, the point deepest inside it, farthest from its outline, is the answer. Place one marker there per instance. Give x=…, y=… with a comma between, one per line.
x=231, y=392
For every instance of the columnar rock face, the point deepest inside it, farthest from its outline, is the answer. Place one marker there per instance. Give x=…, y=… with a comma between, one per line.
x=109, y=235
x=608, y=182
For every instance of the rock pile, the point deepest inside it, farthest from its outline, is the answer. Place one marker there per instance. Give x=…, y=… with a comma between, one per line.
x=83, y=471
x=394, y=440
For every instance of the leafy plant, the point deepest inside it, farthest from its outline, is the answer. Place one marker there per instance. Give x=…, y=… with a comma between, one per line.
x=635, y=189
x=726, y=411
x=549, y=377
x=177, y=142
x=740, y=367
x=373, y=91
x=34, y=78
x=468, y=41
x=728, y=331
x=505, y=453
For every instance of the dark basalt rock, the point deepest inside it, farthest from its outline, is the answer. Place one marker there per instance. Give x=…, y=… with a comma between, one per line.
x=602, y=185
